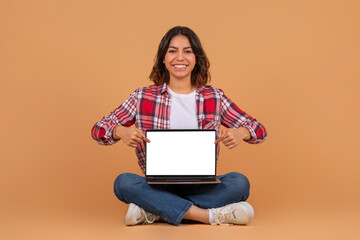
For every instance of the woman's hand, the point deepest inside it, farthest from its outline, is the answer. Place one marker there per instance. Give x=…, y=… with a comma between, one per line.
x=232, y=137
x=131, y=136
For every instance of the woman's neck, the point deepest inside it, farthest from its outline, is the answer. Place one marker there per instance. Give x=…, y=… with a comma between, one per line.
x=182, y=87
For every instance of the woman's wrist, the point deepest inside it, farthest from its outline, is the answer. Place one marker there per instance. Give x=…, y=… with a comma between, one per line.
x=247, y=135
x=116, y=134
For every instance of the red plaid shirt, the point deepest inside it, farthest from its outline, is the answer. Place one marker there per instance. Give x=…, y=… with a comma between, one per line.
x=149, y=108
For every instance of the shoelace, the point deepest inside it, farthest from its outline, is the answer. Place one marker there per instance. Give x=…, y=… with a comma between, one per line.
x=224, y=215
x=149, y=217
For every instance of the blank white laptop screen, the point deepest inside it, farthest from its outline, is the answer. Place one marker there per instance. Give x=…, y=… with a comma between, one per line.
x=181, y=152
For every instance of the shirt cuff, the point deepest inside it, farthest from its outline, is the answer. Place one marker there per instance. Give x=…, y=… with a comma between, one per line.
x=253, y=136
x=109, y=135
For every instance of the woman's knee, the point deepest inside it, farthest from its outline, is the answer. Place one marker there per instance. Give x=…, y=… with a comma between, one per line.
x=124, y=184
x=240, y=184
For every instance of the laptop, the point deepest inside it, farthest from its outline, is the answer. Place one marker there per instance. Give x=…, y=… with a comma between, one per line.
x=181, y=156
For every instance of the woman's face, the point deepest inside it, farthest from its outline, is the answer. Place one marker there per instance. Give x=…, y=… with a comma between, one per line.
x=179, y=58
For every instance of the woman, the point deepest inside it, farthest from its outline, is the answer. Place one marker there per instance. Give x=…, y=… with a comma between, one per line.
x=180, y=99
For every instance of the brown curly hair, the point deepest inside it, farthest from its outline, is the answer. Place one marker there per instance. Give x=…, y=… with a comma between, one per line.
x=200, y=75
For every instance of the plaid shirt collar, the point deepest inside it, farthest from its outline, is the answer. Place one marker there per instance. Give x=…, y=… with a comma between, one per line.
x=201, y=91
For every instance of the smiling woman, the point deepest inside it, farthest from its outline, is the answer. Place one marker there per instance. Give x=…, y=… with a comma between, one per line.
x=180, y=99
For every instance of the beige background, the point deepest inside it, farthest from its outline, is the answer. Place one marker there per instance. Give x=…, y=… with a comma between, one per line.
x=294, y=65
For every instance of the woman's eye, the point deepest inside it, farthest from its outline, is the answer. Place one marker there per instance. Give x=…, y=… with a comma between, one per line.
x=188, y=51
x=171, y=51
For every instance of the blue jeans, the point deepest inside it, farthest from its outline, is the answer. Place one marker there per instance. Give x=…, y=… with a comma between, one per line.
x=172, y=201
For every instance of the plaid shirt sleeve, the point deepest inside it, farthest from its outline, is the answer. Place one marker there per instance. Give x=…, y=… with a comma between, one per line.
x=102, y=132
x=233, y=117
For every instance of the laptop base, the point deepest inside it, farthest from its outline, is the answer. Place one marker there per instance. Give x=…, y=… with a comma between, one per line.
x=183, y=181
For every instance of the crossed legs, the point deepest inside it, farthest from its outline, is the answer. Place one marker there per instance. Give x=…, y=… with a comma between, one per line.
x=176, y=202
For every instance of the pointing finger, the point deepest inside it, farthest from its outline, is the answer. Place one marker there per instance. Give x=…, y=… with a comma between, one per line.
x=146, y=139
x=218, y=140
x=222, y=137
x=142, y=136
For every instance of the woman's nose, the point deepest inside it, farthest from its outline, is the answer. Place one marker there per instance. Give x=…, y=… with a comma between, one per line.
x=180, y=55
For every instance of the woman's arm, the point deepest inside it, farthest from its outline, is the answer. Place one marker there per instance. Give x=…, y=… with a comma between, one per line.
x=233, y=117
x=103, y=131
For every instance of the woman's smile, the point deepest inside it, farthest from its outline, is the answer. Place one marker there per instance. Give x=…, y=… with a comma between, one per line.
x=179, y=67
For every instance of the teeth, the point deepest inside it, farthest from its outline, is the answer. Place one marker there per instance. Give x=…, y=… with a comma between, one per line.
x=179, y=66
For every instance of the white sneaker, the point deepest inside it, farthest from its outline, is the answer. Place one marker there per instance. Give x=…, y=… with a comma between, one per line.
x=235, y=213
x=136, y=215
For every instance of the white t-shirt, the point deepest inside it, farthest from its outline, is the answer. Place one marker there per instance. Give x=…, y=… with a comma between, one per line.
x=183, y=111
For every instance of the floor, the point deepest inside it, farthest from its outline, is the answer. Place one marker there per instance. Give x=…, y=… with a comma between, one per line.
x=282, y=223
